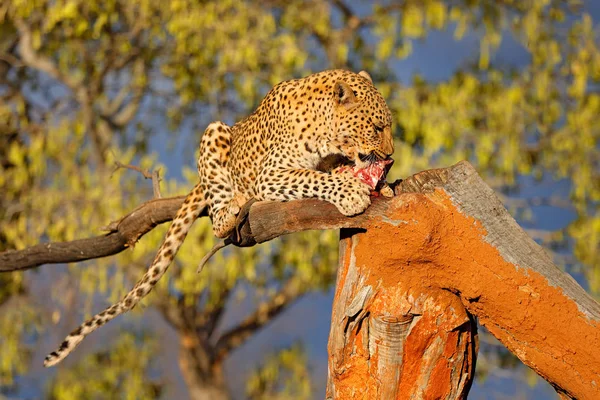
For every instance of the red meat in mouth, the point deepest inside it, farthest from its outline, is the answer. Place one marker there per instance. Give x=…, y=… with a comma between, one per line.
x=372, y=174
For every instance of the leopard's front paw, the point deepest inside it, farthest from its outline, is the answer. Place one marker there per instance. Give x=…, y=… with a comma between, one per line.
x=353, y=198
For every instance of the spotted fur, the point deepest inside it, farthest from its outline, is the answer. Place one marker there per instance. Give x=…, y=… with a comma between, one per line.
x=273, y=154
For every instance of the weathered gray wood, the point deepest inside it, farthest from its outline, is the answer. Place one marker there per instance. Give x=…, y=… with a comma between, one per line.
x=473, y=197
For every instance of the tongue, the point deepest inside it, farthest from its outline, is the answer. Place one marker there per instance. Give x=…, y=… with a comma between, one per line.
x=372, y=174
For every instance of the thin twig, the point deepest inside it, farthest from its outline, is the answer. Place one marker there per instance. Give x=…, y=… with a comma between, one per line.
x=145, y=173
x=156, y=183
x=221, y=243
x=12, y=60
x=154, y=176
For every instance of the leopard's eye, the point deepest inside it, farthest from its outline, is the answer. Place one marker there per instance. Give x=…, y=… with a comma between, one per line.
x=378, y=129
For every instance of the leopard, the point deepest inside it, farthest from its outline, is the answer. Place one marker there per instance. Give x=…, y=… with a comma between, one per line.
x=273, y=155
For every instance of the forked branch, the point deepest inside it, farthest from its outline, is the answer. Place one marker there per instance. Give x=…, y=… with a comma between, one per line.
x=265, y=313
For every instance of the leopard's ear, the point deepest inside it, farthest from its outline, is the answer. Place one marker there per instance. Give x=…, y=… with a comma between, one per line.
x=344, y=95
x=366, y=75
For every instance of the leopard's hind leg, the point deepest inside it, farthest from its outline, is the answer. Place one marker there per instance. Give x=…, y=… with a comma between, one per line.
x=215, y=179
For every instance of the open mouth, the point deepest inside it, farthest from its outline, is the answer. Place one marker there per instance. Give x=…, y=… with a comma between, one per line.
x=373, y=174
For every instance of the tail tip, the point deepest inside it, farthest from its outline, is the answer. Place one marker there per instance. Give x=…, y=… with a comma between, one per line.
x=51, y=359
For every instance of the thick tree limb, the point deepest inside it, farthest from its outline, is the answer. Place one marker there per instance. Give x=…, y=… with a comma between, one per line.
x=122, y=235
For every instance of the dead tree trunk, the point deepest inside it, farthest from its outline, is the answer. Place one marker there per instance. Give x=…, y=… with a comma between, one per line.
x=442, y=250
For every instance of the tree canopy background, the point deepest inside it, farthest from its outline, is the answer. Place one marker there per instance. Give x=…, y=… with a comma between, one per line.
x=510, y=85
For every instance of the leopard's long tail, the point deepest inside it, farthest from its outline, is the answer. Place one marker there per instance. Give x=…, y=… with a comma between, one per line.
x=192, y=206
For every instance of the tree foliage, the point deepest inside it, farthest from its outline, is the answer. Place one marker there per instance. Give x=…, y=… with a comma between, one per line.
x=283, y=375
x=86, y=83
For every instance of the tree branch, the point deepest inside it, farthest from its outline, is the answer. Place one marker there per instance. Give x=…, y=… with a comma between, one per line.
x=123, y=234
x=295, y=216
x=35, y=60
x=265, y=313
x=154, y=176
x=116, y=112
x=208, y=319
x=447, y=243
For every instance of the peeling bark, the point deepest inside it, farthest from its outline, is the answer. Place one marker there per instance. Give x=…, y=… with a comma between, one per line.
x=396, y=346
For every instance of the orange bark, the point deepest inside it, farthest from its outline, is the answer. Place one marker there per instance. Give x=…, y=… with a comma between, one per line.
x=426, y=258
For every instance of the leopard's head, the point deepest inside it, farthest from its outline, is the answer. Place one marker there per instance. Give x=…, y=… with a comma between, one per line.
x=362, y=121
